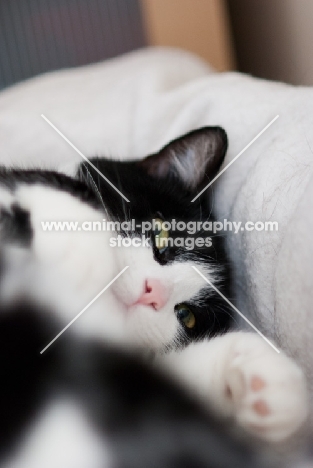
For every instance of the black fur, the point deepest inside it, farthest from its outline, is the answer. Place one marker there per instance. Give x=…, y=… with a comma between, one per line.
x=151, y=195
x=148, y=421
x=11, y=178
x=15, y=226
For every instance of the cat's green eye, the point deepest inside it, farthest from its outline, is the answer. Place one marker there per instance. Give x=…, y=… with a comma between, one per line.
x=185, y=316
x=161, y=235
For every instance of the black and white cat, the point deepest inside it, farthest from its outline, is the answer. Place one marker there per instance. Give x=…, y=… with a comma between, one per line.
x=86, y=403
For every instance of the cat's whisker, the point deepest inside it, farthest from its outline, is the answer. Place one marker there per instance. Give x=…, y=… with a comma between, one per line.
x=126, y=217
x=97, y=191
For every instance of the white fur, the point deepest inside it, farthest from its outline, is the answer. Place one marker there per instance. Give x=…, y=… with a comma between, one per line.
x=221, y=373
x=71, y=268
x=61, y=438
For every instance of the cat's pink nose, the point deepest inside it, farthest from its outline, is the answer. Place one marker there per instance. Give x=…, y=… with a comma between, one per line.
x=156, y=294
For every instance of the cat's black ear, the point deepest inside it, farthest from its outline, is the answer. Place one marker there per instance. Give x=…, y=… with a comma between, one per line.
x=194, y=158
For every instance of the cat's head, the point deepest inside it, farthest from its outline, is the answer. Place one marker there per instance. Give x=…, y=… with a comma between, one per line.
x=165, y=301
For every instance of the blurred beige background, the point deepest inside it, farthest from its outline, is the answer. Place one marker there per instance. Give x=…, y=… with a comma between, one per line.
x=199, y=26
x=268, y=38
x=273, y=38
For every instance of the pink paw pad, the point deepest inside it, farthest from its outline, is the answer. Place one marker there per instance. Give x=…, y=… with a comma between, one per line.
x=261, y=408
x=257, y=383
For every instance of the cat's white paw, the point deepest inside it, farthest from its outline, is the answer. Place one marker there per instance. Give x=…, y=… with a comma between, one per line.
x=267, y=389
